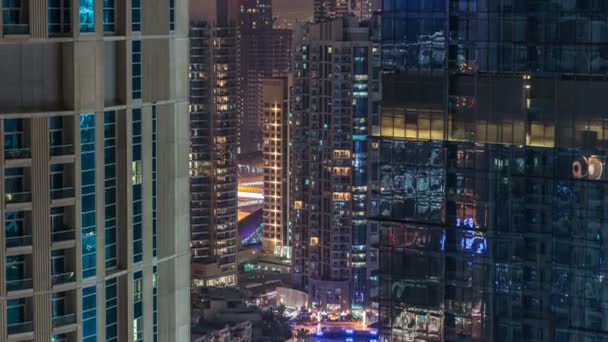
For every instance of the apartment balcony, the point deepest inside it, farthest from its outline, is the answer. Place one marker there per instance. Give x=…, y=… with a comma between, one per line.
x=18, y=197
x=20, y=328
x=63, y=278
x=19, y=285
x=62, y=193
x=64, y=320
x=62, y=233
x=63, y=196
x=17, y=155
x=62, y=153
x=18, y=241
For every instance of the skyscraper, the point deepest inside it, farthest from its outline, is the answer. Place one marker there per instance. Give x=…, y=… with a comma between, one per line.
x=94, y=204
x=263, y=52
x=336, y=95
x=330, y=9
x=489, y=182
x=275, y=218
x=213, y=148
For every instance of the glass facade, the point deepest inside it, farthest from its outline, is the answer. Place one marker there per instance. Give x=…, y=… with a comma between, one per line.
x=60, y=16
x=136, y=15
x=89, y=314
x=171, y=15
x=15, y=16
x=489, y=171
x=109, y=18
x=110, y=189
x=86, y=14
x=111, y=310
x=154, y=182
x=137, y=188
x=136, y=69
x=87, y=178
x=138, y=307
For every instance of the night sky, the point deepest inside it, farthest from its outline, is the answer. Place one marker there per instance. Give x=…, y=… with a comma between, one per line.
x=293, y=9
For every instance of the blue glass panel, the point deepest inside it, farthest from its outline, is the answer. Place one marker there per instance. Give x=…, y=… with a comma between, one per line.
x=88, y=198
x=86, y=14
x=89, y=313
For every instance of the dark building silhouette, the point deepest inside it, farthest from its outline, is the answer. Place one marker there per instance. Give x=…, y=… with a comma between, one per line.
x=489, y=181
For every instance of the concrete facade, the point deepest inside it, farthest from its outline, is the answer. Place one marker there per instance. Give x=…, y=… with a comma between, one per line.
x=94, y=204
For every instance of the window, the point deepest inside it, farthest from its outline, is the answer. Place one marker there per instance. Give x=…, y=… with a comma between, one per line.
x=136, y=16
x=137, y=187
x=154, y=181
x=108, y=16
x=14, y=139
x=60, y=18
x=89, y=314
x=155, y=302
x=136, y=68
x=15, y=16
x=87, y=16
x=110, y=188
x=138, y=322
x=111, y=311
x=171, y=15
x=88, y=198
x=15, y=312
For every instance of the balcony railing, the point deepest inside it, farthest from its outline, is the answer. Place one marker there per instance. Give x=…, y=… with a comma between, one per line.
x=62, y=150
x=17, y=153
x=20, y=328
x=18, y=197
x=64, y=234
x=60, y=321
x=18, y=241
x=20, y=284
x=62, y=193
x=63, y=278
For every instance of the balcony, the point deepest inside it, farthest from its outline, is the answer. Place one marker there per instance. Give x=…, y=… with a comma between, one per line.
x=62, y=193
x=18, y=197
x=17, y=153
x=63, y=278
x=62, y=233
x=62, y=150
x=19, y=285
x=18, y=241
x=20, y=328
x=64, y=320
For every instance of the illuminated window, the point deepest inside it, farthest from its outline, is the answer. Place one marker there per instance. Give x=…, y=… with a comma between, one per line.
x=87, y=16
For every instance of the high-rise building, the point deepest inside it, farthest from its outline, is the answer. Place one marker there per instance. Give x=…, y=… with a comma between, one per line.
x=490, y=182
x=213, y=148
x=93, y=162
x=336, y=95
x=275, y=219
x=330, y=9
x=263, y=52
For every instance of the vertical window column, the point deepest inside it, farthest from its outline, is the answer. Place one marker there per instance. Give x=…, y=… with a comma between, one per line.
x=138, y=304
x=137, y=187
x=110, y=188
x=155, y=302
x=108, y=16
x=136, y=69
x=89, y=314
x=171, y=15
x=154, y=182
x=111, y=310
x=86, y=13
x=87, y=178
x=136, y=15
x=60, y=17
